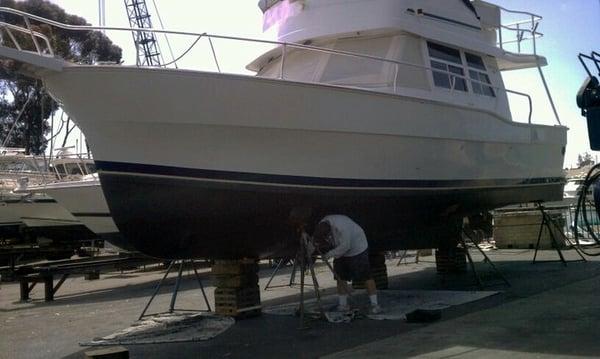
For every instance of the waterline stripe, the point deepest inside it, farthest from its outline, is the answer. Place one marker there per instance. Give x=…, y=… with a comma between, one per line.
x=313, y=181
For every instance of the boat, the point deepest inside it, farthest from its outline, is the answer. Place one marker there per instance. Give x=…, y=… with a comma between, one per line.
x=393, y=112
x=33, y=215
x=84, y=199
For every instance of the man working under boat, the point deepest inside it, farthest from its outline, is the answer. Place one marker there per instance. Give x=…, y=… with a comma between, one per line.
x=351, y=256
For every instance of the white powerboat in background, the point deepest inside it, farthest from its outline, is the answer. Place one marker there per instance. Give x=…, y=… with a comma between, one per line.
x=36, y=213
x=393, y=112
x=84, y=199
x=76, y=188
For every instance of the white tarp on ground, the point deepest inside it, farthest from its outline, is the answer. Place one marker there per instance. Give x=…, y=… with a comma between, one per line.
x=168, y=328
x=395, y=303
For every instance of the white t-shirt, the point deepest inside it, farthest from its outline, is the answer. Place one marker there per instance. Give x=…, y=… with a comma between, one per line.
x=349, y=239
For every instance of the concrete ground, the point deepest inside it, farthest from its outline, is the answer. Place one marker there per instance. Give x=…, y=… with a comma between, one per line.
x=549, y=311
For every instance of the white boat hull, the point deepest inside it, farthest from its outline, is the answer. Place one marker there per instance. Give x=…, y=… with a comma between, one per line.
x=85, y=201
x=39, y=215
x=38, y=211
x=204, y=163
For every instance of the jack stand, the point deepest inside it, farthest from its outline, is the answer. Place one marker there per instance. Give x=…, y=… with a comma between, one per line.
x=281, y=262
x=304, y=260
x=403, y=257
x=176, y=290
x=547, y=220
x=486, y=259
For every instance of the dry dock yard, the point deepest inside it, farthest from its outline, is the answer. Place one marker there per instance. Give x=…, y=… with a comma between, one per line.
x=549, y=310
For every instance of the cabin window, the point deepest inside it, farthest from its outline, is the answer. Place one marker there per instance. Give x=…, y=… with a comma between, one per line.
x=349, y=70
x=16, y=166
x=449, y=62
x=478, y=73
x=66, y=169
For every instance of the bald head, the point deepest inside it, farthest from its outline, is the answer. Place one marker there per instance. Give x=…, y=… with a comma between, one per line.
x=322, y=231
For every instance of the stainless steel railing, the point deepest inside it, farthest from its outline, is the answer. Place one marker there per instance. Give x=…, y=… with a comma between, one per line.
x=284, y=46
x=529, y=25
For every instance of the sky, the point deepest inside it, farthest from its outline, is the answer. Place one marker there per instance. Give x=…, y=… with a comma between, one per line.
x=569, y=27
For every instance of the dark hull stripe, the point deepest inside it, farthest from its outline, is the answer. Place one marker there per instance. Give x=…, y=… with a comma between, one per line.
x=10, y=224
x=105, y=166
x=83, y=214
x=46, y=219
x=28, y=200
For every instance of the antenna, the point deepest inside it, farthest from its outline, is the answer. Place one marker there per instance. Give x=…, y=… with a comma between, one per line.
x=101, y=13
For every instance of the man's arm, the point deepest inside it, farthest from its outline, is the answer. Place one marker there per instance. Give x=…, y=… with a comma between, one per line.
x=340, y=250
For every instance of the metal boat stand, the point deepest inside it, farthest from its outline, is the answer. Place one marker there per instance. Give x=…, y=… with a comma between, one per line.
x=280, y=264
x=305, y=262
x=550, y=222
x=486, y=259
x=404, y=257
x=172, y=308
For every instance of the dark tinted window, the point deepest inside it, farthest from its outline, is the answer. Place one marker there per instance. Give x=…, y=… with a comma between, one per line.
x=475, y=61
x=444, y=53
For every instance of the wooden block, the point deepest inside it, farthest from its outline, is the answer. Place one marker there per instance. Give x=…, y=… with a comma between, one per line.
x=117, y=352
x=233, y=301
x=236, y=280
x=234, y=267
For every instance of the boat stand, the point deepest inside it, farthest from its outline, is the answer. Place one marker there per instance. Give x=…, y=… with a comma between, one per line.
x=550, y=222
x=305, y=261
x=486, y=259
x=280, y=264
x=172, y=308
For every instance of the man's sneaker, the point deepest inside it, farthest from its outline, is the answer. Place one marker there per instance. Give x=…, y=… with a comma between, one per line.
x=375, y=309
x=342, y=308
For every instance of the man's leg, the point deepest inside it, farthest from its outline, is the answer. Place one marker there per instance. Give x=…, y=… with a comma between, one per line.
x=371, y=287
x=340, y=269
x=372, y=291
x=342, y=289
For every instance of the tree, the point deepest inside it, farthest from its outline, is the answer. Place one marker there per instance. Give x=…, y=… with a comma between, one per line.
x=76, y=46
x=584, y=160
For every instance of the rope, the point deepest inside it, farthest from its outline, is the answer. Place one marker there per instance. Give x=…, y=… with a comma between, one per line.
x=165, y=35
x=186, y=51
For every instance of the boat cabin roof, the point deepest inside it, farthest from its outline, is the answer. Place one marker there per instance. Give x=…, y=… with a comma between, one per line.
x=471, y=25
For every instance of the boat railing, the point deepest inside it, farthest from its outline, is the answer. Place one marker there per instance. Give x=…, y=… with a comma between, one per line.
x=285, y=48
x=523, y=28
x=81, y=161
x=34, y=36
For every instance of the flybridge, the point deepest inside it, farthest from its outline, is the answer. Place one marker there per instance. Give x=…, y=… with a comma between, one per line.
x=265, y=5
